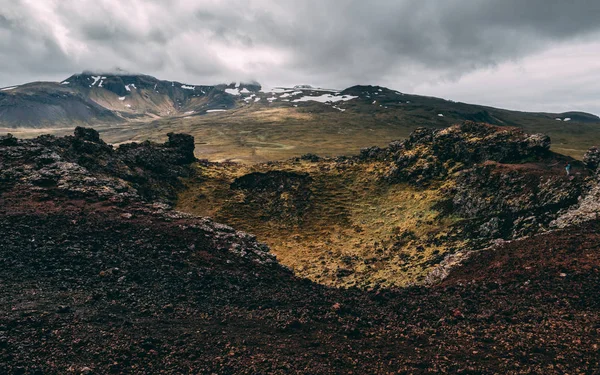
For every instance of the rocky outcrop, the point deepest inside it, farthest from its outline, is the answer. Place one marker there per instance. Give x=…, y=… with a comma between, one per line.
x=501, y=182
x=588, y=205
x=433, y=154
x=84, y=164
x=586, y=209
x=132, y=182
x=591, y=159
x=509, y=200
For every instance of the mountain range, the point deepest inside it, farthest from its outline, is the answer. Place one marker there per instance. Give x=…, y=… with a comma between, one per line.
x=88, y=98
x=243, y=121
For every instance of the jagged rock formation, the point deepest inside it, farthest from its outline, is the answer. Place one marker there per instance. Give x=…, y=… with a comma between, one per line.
x=510, y=201
x=592, y=158
x=588, y=207
x=430, y=153
x=81, y=163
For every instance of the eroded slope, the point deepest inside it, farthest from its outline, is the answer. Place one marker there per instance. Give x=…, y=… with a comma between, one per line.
x=390, y=215
x=96, y=279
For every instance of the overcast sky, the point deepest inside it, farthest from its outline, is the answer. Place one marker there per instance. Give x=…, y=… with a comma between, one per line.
x=519, y=54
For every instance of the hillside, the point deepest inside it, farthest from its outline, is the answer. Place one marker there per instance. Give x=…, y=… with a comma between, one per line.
x=244, y=122
x=389, y=216
x=100, y=275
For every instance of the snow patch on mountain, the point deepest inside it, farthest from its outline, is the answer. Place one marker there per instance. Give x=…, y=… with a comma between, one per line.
x=325, y=98
x=288, y=94
x=95, y=79
x=280, y=90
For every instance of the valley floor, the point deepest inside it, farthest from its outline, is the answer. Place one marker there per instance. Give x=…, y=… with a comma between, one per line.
x=344, y=227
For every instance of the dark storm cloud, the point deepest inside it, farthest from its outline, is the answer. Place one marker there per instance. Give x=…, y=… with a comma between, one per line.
x=330, y=42
x=358, y=37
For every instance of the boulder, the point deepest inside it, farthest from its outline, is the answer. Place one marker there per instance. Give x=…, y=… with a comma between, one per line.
x=87, y=134
x=591, y=159
x=184, y=144
x=8, y=140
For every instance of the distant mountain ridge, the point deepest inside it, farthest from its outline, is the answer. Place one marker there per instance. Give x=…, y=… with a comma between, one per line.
x=102, y=98
x=90, y=98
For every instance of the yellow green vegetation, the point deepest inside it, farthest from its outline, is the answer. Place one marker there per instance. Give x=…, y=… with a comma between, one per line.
x=338, y=223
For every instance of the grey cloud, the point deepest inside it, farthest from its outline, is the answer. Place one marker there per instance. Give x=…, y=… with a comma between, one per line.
x=329, y=42
x=27, y=47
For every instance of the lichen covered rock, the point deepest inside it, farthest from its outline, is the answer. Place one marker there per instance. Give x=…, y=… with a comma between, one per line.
x=432, y=154
x=85, y=164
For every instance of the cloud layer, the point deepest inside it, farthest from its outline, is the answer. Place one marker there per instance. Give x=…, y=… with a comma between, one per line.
x=444, y=48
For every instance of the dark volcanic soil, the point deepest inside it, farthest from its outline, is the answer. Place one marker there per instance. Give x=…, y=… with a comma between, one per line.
x=91, y=284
